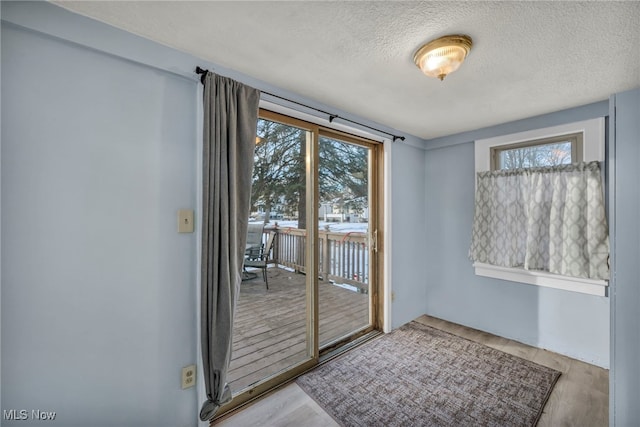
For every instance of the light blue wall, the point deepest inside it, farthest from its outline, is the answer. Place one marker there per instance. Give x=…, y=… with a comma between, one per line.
x=98, y=288
x=98, y=292
x=407, y=246
x=625, y=205
x=99, y=148
x=565, y=322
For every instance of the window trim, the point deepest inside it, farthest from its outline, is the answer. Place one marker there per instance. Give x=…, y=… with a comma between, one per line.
x=543, y=278
x=592, y=131
x=593, y=149
x=325, y=123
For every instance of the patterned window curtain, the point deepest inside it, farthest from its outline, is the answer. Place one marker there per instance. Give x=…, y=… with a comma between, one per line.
x=550, y=219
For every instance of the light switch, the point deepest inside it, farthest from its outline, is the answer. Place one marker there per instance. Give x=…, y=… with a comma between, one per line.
x=185, y=221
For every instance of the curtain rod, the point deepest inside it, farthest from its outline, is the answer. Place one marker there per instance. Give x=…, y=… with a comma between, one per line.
x=332, y=116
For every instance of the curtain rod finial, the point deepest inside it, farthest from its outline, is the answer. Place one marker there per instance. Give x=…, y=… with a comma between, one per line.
x=201, y=71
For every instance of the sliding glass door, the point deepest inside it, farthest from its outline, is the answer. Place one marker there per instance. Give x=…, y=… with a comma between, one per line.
x=271, y=326
x=347, y=237
x=310, y=277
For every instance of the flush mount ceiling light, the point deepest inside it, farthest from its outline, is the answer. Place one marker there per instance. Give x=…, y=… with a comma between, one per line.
x=443, y=56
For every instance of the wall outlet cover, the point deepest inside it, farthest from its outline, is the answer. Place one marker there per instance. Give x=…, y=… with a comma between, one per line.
x=185, y=221
x=188, y=376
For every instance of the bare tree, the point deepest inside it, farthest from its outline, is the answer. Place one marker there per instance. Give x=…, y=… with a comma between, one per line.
x=536, y=156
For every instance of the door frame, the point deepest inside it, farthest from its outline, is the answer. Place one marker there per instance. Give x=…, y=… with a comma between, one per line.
x=376, y=209
x=376, y=179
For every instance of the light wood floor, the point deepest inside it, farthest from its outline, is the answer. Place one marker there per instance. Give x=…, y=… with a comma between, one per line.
x=580, y=397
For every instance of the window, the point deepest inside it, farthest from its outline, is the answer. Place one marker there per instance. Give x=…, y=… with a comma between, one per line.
x=560, y=150
x=524, y=218
x=587, y=146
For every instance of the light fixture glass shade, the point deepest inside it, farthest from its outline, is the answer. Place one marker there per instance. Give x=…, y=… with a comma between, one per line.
x=443, y=56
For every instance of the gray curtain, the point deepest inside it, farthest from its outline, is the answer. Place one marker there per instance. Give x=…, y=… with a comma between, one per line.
x=550, y=219
x=230, y=121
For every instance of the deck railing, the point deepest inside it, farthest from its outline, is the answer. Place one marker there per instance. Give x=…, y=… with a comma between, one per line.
x=344, y=257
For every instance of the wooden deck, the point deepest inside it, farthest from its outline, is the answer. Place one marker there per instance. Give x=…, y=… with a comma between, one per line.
x=270, y=325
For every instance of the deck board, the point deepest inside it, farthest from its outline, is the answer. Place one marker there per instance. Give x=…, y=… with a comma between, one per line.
x=269, y=331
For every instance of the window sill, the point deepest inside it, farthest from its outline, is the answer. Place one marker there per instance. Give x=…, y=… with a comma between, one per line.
x=539, y=278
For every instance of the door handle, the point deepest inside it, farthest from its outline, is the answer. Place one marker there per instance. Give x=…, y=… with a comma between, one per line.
x=374, y=241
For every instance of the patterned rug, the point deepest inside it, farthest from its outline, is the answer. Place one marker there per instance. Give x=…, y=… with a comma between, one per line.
x=421, y=376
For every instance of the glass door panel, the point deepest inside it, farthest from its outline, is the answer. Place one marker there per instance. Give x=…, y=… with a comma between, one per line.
x=345, y=230
x=313, y=205
x=270, y=331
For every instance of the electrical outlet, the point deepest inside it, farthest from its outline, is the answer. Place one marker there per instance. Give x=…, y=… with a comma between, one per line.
x=393, y=296
x=188, y=376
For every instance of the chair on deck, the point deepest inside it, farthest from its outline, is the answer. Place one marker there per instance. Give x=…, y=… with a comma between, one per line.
x=252, y=246
x=254, y=236
x=258, y=258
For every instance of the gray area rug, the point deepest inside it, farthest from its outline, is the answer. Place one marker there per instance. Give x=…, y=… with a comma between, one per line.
x=421, y=376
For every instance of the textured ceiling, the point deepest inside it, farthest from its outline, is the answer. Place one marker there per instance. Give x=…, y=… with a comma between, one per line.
x=528, y=58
